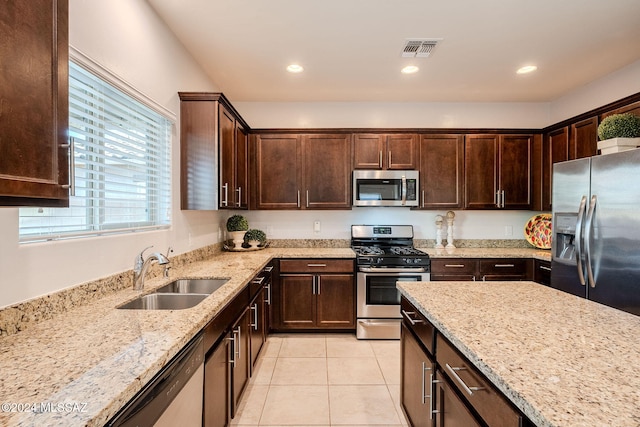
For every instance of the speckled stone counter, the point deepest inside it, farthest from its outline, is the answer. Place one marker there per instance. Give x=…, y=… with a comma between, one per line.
x=541, y=254
x=563, y=360
x=92, y=359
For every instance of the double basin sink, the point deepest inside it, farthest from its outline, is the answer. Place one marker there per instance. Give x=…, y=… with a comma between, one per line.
x=177, y=295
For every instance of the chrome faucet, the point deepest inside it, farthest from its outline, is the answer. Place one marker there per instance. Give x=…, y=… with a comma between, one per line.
x=141, y=266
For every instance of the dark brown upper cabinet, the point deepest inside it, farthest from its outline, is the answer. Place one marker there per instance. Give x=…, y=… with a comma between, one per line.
x=302, y=171
x=441, y=171
x=583, y=139
x=34, y=111
x=213, y=153
x=498, y=171
x=385, y=151
x=555, y=149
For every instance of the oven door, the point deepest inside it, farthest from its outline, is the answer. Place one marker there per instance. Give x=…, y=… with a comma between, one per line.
x=377, y=294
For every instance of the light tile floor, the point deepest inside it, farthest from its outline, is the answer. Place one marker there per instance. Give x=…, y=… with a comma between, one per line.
x=324, y=380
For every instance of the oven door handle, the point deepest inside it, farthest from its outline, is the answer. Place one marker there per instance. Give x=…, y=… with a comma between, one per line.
x=393, y=270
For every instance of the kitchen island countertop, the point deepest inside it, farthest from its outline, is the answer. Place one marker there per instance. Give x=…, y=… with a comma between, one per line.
x=562, y=360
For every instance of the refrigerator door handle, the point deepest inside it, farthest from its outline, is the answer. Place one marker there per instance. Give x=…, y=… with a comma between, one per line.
x=588, y=228
x=578, y=239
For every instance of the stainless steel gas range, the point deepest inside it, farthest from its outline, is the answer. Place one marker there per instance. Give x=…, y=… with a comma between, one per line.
x=384, y=256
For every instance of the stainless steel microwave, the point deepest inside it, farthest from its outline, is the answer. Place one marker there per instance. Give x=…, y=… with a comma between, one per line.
x=385, y=188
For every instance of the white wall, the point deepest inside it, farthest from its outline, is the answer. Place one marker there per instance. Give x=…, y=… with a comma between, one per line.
x=127, y=38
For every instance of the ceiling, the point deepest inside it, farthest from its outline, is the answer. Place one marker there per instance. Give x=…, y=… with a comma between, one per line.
x=351, y=49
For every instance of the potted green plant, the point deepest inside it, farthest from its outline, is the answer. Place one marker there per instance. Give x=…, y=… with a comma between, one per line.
x=619, y=132
x=255, y=237
x=237, y=226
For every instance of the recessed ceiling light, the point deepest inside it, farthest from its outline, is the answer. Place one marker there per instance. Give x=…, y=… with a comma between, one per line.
x=295, y=68
x=410, y=69
x=526, y=69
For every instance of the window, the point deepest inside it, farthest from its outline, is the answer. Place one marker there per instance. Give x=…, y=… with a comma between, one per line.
x=121, y=163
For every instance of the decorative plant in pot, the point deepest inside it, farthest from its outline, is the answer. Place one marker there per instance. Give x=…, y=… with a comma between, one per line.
x=619, y=132
x=237, y=226
x=255, y=238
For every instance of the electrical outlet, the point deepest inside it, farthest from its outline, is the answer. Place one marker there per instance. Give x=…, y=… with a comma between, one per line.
x=316, y=226
x=508, y=230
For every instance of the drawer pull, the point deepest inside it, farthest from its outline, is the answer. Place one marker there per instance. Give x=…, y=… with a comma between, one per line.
x=258, y=281
x=412, y=321
x=504, y=265
x=316, y=265
x=268, y=269
x=544, y=267
x=455, y=375
x=454, y=265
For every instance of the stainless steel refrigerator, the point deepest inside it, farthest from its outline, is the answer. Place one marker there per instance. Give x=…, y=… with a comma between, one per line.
x=596, y=229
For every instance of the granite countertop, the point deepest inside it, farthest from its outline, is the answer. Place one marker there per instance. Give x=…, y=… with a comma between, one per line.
x=563, y=360
x=541, y=254
x=95, y=358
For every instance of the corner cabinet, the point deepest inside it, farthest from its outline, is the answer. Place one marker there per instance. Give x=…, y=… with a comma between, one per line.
x=213, y=153
x=34, y=89
x=385, y=151
x=441, y=171
x=498, y=171
x=301, y=171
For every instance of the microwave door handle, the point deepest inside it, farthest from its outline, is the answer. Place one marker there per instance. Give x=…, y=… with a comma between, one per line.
x=578, y=239
x=404, y=190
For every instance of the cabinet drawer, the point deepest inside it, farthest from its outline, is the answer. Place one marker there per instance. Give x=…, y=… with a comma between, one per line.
x=504, y=269
x=542, y=272
x=488, y=402
x=316, y=266
x=417, y=323
x=456, y=267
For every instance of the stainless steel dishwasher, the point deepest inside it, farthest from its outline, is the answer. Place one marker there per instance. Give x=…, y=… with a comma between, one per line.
x=173, y=397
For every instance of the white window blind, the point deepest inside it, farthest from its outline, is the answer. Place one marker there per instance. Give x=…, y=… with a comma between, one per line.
x=122, y=166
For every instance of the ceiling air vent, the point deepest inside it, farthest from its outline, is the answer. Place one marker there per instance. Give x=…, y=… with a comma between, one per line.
x=419, y=48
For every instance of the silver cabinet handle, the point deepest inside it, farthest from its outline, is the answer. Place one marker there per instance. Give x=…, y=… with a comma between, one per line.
x=318, y=282
x=504, y=265
x=254, y=308
x=544, y=267
x=503, y=198
x=406, y=314
x=268, y=269
x=455, y=375
x=588, y=227
x=316, y=265
x=496, y=198
x=72, y=166
x=380, y=159
x=258, y=281
x=225, y=187
x=432, y=410
x=239, y=191
x=454, y=265
x=239, y=347
x=307, y=202
x=424, y=385
x=268, y=287
x=232, y=352
x=389, y=164
x=422, y=199
x=298, y=202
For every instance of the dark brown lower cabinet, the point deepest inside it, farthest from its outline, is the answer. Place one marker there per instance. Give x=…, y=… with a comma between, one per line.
x=417, y=371
x=258, y=325
x=466, y=269
x=451, y=410
x=216, y=395
x=239, y=355
x=542, y=272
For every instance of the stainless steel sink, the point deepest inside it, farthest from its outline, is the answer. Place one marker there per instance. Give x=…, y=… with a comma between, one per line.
x=158, y=301
x=192, y=286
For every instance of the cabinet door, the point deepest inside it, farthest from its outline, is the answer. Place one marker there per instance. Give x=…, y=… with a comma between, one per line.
x=368, y=151
x=227, y=130
x=556, y=149
x=216, y=385
x=415, y=388
x=514, y=171
x=442, y=171
x=327, y=171
x=297, y=301
x=257, y=328
x=34, y=89
x=240, y=354
x=402, y=151
x=335, y=295
x=481, y=170
x=242, y=169
x=278, y=177
x=451, y=410
x=584, y=139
